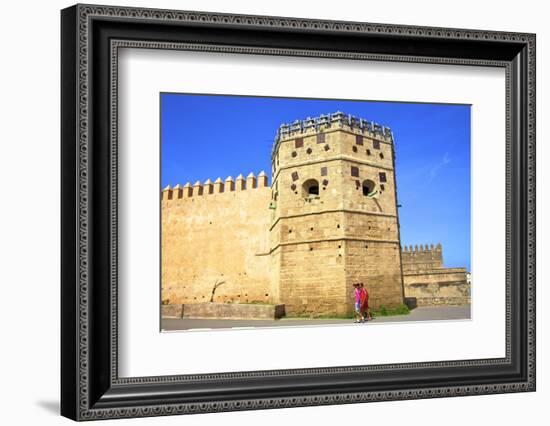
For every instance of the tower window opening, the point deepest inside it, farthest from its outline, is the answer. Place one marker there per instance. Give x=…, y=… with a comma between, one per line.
x=368, y=151
x=321, y=138
x=299, y=143
x=311, y=188
x=381, y=156
x=368, y=188
x=376, y=144
x=359, y=139
x=355, y=171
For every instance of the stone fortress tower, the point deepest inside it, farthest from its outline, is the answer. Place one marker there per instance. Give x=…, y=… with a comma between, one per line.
x=329, y=219
x=335, y=218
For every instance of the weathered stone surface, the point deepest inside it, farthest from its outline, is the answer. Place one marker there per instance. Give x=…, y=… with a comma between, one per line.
x=442, y=286
x=213, y=238
x=172, y=311
x=233, y=311
x=427, y=282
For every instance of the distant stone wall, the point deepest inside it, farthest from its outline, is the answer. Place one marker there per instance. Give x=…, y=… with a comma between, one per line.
x=213, y=232
x=427, y=282
x=421, y=258
x=444, y=286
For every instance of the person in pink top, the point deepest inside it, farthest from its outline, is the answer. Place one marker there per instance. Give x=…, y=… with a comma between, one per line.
x=357, y=299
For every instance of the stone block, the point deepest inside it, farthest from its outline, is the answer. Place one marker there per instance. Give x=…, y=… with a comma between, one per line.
x=233, y=311
x=172, y=311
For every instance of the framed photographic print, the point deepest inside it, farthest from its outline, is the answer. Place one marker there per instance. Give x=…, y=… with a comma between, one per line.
x=263, y=212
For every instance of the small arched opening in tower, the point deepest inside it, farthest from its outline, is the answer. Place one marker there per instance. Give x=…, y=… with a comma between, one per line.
x=310, y=188
x=368, y=187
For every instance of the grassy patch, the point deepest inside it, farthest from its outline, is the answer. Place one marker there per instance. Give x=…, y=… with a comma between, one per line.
x=320, y=316
x=388, y=312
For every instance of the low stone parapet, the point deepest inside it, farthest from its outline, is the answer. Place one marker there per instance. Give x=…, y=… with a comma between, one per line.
x=225, y=311
x=441, y=301
x=172, y=311
x=440, y=286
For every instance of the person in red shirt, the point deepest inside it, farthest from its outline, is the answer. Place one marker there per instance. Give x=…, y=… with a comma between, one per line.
x=364, y=300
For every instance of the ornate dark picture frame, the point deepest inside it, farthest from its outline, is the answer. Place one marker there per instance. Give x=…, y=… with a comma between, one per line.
x=90, y=385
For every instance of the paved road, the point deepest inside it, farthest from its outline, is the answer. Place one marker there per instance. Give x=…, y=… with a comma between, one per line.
x=436, y=313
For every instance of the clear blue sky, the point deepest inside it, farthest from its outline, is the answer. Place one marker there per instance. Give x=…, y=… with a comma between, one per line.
x=205, y=137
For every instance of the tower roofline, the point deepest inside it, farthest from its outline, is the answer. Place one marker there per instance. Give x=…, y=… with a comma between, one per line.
x=326, y=121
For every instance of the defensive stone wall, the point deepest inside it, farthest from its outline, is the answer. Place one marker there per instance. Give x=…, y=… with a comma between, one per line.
x=428, y=283
x=216, y=232
x=423, y=257
x=447, y=286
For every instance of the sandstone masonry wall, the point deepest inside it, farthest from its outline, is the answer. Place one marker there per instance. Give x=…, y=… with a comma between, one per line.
x=213, y=232
x=347, y=230
x=418, y=258
x=428, y=282
x=446, y=286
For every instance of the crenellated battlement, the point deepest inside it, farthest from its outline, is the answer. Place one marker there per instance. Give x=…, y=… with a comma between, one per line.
x=337, y=120
x=208, y=187
x=422, y=248
x=421, y=257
